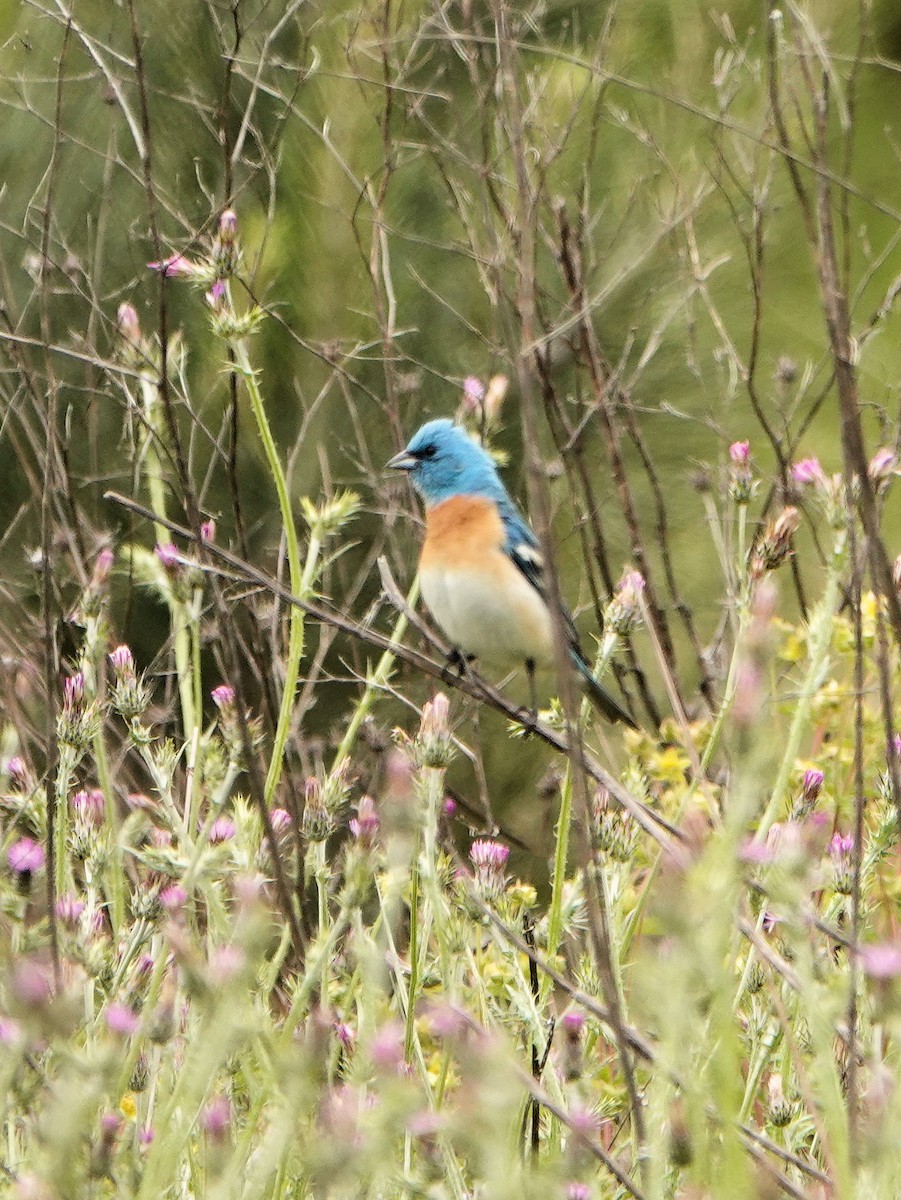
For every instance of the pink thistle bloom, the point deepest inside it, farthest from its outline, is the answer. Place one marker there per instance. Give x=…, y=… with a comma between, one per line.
x=10, y=1031
x=216, y=1117
x=215, y=297
x=103, y=568
x=449, y=807
x=882, y=465
x=808, y=470
x=168, y=556
x=122, y=1020
x=122, y=661
x=841, y=851
x=221, y=830
x=73, y=691
x=473, y=393
x=387, y=1047
x=32, y=982
x=345, y=1034
x=577, y=1191
x=208, y=530
x=228, y=226
x=69, y=910
x=17, y=770
x=365, y=825
x=129, y=325
x=281, y=820
x=90, y=807
x=813, y=782
x=25, y=856
x=226, y=962
x=173, y=898
x=757, y=853
x=175, y=266
x=485, y=853
x=223, y=696
x=146, y=1135
x=881, y=960
x=573, y=1023
x=740, y=453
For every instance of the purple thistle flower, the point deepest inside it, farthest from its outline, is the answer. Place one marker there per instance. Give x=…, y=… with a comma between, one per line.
x=488, y=858
x=740, y=453
x=216, y=1118
x=176, y=266
x=89, y=807
x=17, y=770
x=173, y=898
x=69, y=909
x=473, y=393
x=387, y=1047
x=881, y=960
x=281, y=820
x=573, y=1023
x=122, y=1020
x=169, y=557
x=577, y=1191
x=73, y=692
x=808, y=471
x=122, y=659
x=882, y=465
x=365, y=825
x=128, y=323
x=841, y=850
x=103, y=568
x=221, y=830
x=813, y=782
x=215, y=297
x=228, y=226
x=223, y=697
x=344, y=1034
x=25, y=856
x=208, y=530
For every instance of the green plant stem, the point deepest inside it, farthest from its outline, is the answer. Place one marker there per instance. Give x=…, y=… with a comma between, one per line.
x=819, y=639
x=178, y=610
x=300, y=579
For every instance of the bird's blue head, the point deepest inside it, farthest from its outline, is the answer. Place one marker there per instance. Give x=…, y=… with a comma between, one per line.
x=442, y=461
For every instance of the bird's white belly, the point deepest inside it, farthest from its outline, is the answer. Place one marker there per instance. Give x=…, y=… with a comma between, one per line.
x=499, y=625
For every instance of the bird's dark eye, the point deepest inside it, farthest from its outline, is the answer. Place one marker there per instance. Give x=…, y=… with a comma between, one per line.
x=426, y=452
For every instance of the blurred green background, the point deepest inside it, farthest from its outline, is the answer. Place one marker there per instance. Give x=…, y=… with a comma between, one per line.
x=365, y=149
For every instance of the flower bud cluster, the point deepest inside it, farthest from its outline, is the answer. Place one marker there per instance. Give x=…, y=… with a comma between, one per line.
x=742, y=484
x=129, y=696
x=615, y=830
x=488, y=859
x=434, y=744
x=623, y=612
x=775, y=545
x=79, y=718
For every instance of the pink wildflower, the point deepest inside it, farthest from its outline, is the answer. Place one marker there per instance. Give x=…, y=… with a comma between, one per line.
x=25, y=856
x=122, y=1020
x=808, y=471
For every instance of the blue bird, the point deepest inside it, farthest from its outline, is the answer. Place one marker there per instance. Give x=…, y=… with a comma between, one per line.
x=480, y=570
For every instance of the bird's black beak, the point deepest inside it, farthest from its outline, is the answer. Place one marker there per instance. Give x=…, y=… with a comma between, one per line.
x=401, y=462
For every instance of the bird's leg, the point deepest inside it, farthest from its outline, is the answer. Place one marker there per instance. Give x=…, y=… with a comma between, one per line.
x=457, y=662
x=533, y=695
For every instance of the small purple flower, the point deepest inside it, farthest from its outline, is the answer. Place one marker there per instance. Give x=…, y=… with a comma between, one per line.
x=740, y=453
x=221, y=830
x=17, y=770
x=215, y=297
x=173, y=898
x=145, y=1135
x=223, y=697
x=176, y=265
x=208, y=530
x=281, y=820
x=573, y=1023
x=365, y=825
x=813, y=782
x=881, y=960
x=387, y=1047
x=169, y=557
x=882, y=465
x=841, y=851
x=225, y=963
x=808, y=471
x=73, y=692
x=69, y=909
x=216, y=1118
x=89, y=807
x=25, y=856
x=128, y=323
x=577, y=1191
x=449, y=807
x=122, y=661
x=10, y=1031
x=488, y=858
x=228, y=225
x=122, y=1020
x=103, y=568
x=473, y=393
x=344, y=1034
x=757, y=853
x=32, y=982
x=623, y=612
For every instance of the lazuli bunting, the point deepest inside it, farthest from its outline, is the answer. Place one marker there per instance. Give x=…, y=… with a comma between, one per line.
x=480, y=570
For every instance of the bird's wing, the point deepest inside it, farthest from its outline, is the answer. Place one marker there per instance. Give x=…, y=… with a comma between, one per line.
x=522, y=547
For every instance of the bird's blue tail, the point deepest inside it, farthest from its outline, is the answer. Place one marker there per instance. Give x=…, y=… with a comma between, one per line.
x=606, y=704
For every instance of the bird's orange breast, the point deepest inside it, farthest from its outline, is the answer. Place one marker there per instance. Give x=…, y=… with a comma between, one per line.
x=461, y=532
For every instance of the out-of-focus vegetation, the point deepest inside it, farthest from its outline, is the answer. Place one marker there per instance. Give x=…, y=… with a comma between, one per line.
x=650, y=258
